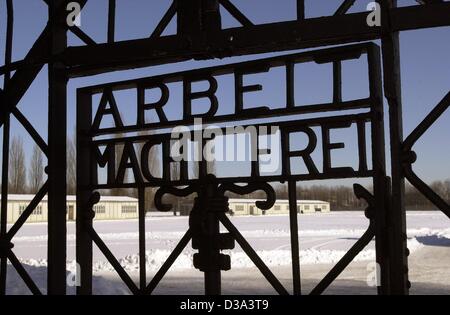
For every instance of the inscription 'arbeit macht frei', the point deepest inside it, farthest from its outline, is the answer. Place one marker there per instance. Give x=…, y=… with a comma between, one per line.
x=270, y=151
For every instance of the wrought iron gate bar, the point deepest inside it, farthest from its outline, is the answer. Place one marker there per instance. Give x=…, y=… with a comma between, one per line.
x=263, y=38
x=231, y=8
x=5, y=146
x=84, y=197
x=31, y=130
x=396, y=271
x=113, y=261
x=300, y=10
x=426, y=123
x=321, y=56
x=344, y=7
x=246, y=40
x=169, y=262
x=111, y=20
x=82, y=36
x=164, y=22
x=293, y=225
x=360, y=244
x=426, y=190
x=23, y=273
x=259, y=263
x=409, y=156
x=142, y=248
x=57, y=154
x=27, y=71
x=343, y=263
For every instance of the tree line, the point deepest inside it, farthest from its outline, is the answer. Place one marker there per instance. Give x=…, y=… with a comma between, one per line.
x=343, y=197
x=25, y=179
x=28, y=179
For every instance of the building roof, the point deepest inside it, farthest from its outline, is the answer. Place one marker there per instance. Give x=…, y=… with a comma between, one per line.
x=25, y=197
x=243, y=200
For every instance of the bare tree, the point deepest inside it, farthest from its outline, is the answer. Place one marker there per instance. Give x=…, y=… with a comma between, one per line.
x=71, y=166
x=17, y=168
x=36, y=171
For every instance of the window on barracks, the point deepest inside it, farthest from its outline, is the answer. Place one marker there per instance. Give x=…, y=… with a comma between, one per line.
x=38, y=210
x=129, y=209
x=100, y=209
x=22, y=209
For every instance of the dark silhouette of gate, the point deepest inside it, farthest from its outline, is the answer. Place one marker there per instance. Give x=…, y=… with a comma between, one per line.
x=200, y=36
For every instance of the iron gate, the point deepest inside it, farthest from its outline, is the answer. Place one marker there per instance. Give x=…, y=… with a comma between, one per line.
x=210, y=206
x=200, y=36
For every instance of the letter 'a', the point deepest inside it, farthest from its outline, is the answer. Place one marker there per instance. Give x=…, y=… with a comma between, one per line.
x=103, y=109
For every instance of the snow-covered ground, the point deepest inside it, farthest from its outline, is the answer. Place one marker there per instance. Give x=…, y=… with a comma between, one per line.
x=324, y=239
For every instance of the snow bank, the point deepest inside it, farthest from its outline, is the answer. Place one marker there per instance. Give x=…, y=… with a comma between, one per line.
x=276, y=257
x=272, y=258
x=273, y=233
x=444, y=234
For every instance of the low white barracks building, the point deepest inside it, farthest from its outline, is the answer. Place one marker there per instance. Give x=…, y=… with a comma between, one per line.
x=119, y=208
x=247, y=207
x=109, y=208
x=241, y=206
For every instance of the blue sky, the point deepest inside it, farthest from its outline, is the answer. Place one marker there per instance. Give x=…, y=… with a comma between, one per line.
x=425, y=64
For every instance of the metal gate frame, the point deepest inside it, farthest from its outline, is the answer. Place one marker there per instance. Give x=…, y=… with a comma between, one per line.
x=211, y=204
x=199, y=36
